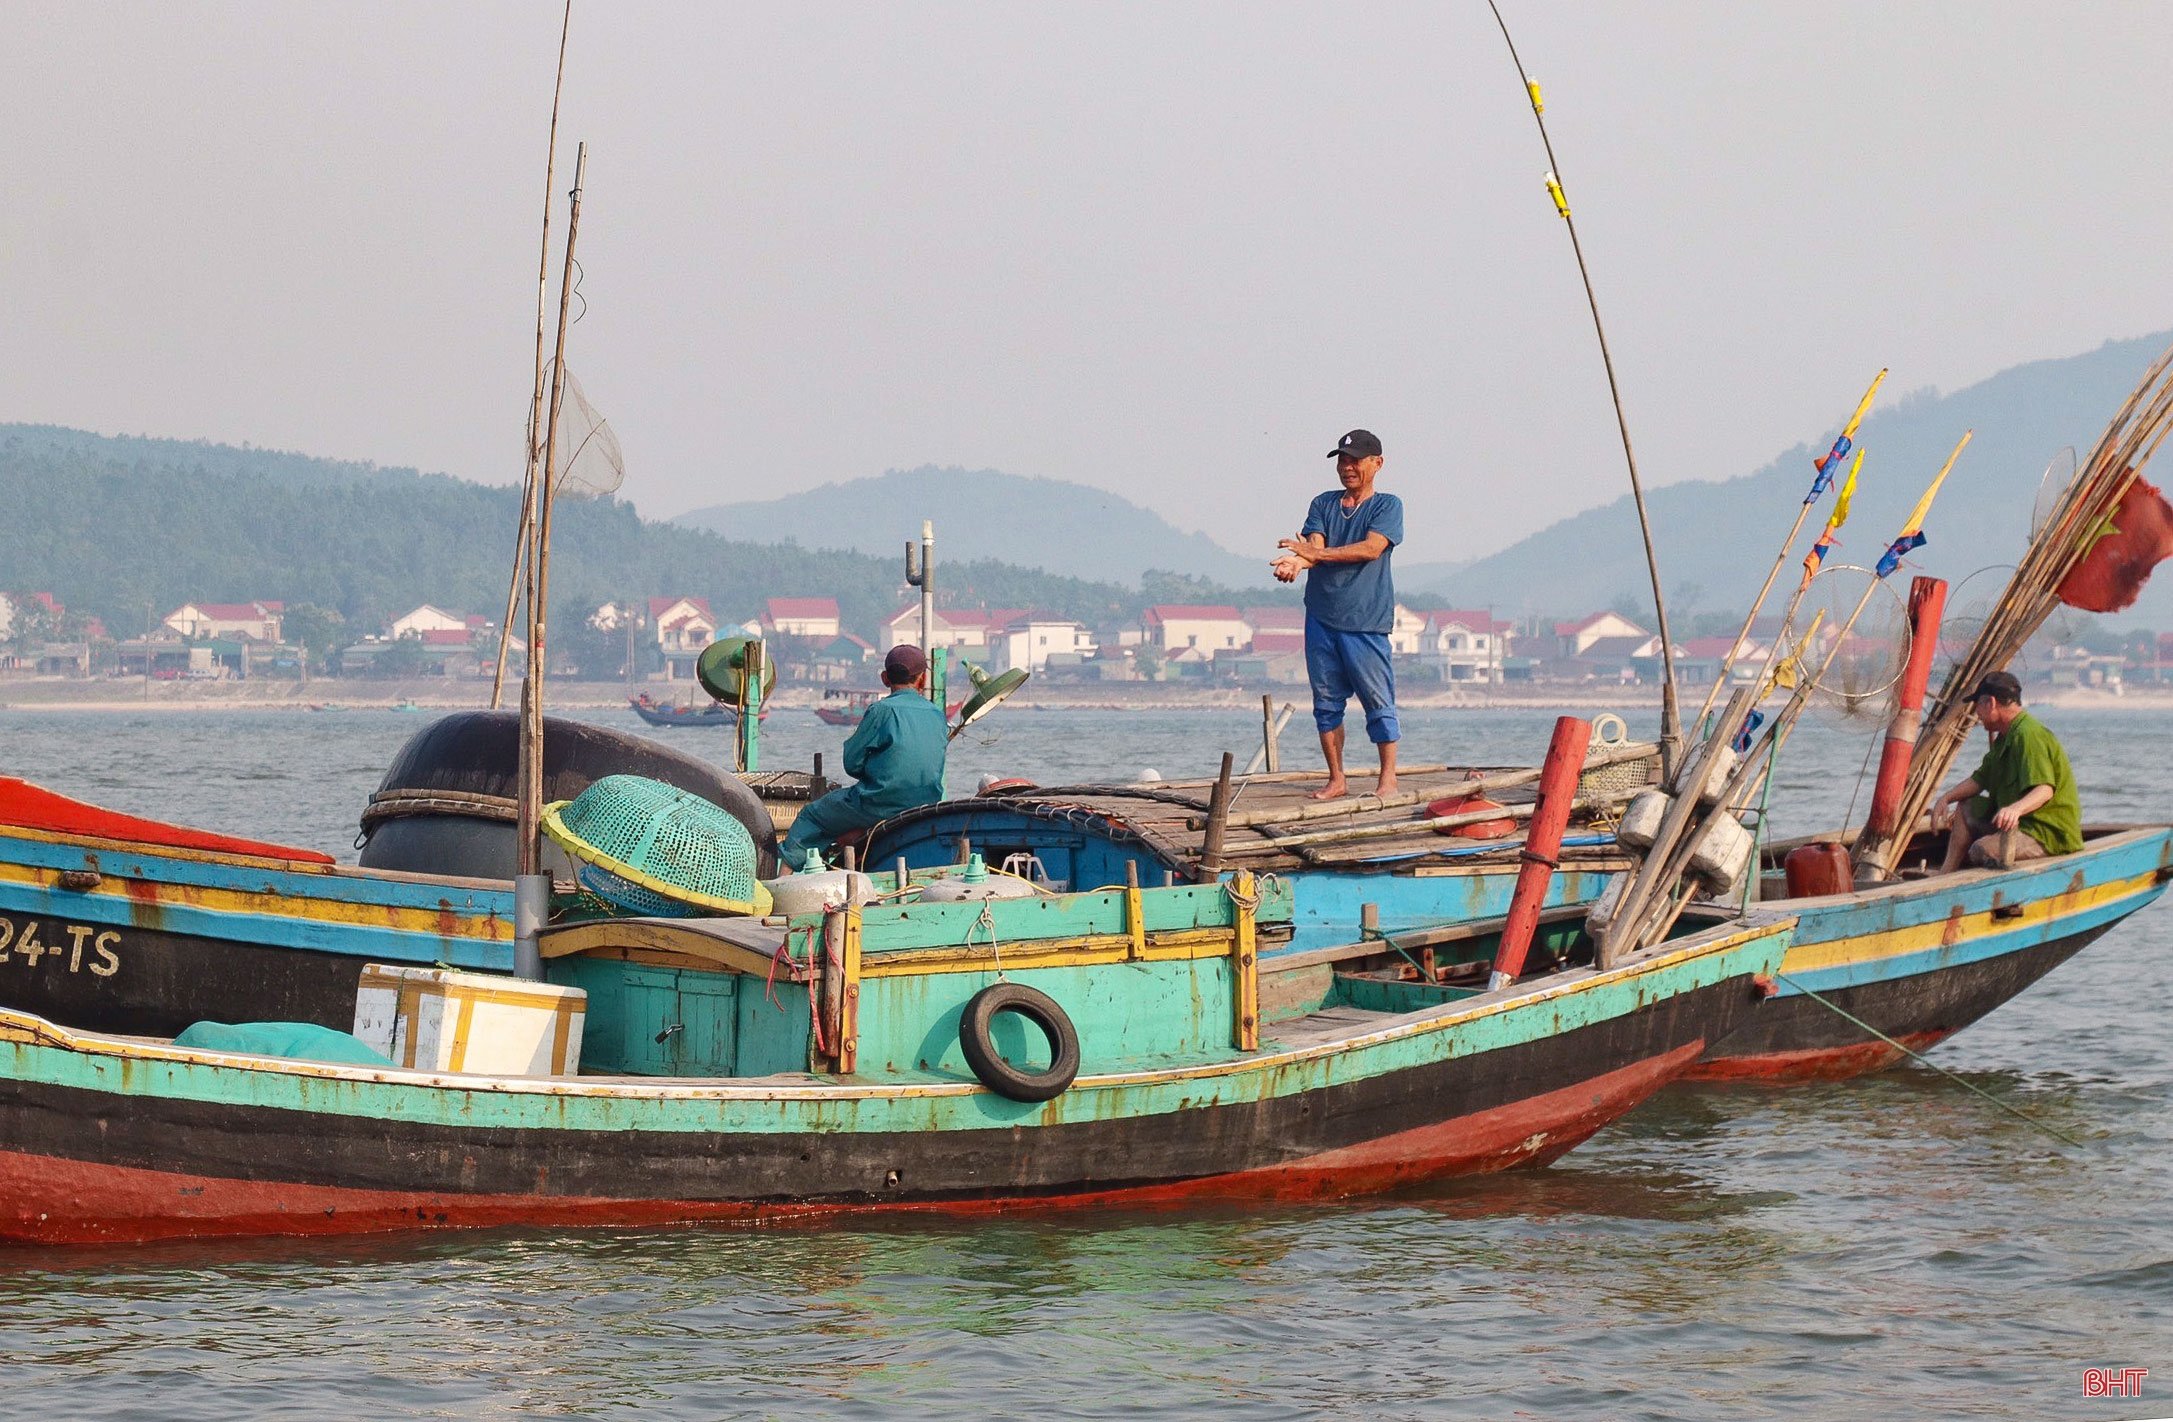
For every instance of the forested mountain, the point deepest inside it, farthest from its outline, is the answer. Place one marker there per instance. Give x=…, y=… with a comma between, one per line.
x=985, y=513
x=130, y=527
x=1716, y=540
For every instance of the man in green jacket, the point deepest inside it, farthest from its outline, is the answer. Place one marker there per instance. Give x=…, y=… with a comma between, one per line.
x=896, y=755
x=2023, y=784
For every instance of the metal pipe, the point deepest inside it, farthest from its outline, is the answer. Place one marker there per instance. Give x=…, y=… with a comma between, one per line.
x=531, y=911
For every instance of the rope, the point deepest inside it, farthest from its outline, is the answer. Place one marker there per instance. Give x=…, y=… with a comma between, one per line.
x=2031, y=1121
x=784, y=955
x=987, y=919
x=392, y=804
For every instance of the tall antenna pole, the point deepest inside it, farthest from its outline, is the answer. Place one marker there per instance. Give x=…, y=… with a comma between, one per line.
x=1671, y=728
x=535, y=400
x=539, y=561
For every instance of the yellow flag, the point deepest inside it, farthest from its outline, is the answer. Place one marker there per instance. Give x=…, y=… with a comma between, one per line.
x=1848, y=491
x=1915, y=525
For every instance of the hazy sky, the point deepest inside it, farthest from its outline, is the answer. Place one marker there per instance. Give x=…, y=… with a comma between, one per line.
x=1168, y=249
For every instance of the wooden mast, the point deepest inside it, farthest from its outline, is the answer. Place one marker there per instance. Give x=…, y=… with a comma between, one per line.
x=531, y=776
x=1671, y=722
x=535, y=400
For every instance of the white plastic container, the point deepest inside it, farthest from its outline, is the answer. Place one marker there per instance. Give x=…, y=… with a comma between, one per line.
x=1724, y=763
x=1601, y=915
x=975, y=882
x=815, y=892
x=1723, y=854
x=1641, y=820
x=435, y=1019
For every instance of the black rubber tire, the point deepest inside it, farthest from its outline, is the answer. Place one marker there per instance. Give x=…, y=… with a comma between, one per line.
x=999, y=1075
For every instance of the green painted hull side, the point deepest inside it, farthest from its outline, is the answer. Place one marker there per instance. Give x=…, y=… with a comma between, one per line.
x=803, y=1104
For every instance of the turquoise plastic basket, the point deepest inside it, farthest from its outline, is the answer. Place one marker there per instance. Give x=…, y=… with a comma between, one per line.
x=653, y=848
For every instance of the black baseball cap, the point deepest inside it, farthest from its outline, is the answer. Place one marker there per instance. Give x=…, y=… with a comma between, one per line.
x=1358, y=444
x=2000, y=686
x=902, y=663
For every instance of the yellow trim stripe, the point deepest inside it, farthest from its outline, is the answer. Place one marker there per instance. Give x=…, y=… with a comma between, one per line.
x=1861, y=948
x=479, y=927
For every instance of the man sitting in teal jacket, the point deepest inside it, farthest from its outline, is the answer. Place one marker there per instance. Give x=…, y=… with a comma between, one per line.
x=896, y=755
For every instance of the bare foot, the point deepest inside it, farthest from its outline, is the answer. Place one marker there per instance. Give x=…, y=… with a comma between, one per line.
x=1333, y=790
x=1386, y=788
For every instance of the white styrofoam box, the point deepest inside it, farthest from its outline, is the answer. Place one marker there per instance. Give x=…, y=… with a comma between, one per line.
x=1723, y=854
x=437, y=1019
x=1601, y=915
x=1641, y=821
x=1724, y=765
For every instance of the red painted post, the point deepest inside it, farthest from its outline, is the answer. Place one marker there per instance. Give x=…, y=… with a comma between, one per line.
x=1542, y=842
x=1927, y=601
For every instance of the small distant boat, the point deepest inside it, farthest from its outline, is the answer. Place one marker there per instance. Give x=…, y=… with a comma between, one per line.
x=656, y=713
x=842, y=707
x=845, y=708
x=408, y=705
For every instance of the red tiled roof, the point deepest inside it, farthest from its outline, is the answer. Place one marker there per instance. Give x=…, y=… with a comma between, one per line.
x=1717, y=647
x=1281, y=619
x=234, y=611
x=802, y=607
x=444, y=636
x=1191, y=612
x=1278, y=641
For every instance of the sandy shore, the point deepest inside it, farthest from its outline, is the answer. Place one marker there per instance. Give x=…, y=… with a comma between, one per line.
x=66, y=694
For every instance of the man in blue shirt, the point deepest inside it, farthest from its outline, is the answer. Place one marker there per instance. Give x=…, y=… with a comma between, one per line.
x=896, y=755
x=1350, y=605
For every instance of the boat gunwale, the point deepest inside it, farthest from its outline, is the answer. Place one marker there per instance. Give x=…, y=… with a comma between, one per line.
x=313, y=868
x=2111, y=837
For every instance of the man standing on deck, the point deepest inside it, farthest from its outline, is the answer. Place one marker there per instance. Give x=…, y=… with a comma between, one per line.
x=2023, y=784
x=896, y=755
x=1350, y=605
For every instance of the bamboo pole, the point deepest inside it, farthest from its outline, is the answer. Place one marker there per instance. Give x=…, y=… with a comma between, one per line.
x=1834, y=455
x=535, y=400
x=1367, y=804
x=1689, y=788
x=1671, y=727
x=531, y=767
x=2137, y=430
x=1218, y=816
x=1638, y=926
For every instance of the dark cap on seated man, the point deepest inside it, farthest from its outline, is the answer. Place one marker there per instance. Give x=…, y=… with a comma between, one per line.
x=903, y=665
x=2000, y=686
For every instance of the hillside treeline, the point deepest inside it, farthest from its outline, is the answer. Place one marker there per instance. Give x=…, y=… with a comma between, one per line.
x=129, y=528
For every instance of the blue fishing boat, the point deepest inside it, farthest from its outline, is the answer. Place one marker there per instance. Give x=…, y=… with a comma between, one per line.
x=1359, y=867
x=1913, y=962
x=658, y=713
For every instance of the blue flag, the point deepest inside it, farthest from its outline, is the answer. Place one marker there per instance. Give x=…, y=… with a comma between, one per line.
x=1897, y=550
x=1834, y=456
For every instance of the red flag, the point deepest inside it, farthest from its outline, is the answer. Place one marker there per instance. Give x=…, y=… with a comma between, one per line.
x=2137, y=537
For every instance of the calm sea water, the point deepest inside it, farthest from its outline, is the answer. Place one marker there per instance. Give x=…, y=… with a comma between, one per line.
x=1894, y=1246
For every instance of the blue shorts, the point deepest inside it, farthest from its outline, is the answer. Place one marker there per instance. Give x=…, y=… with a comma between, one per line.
x=1346, y=664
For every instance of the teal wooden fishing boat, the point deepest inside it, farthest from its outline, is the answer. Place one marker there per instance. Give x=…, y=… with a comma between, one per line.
x=879, y=1057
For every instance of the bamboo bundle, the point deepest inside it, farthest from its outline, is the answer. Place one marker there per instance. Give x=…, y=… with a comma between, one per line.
x=2070, y=531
